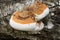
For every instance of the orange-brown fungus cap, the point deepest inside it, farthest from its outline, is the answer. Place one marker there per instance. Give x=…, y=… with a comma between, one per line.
x=38, y=8
x=26, y=21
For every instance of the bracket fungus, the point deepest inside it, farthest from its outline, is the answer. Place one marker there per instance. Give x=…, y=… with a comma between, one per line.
x=29, y=18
